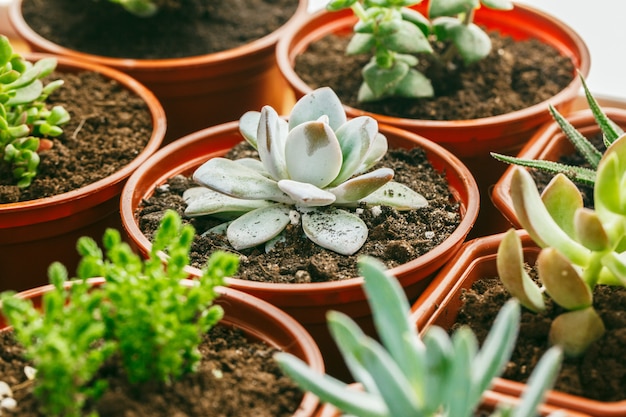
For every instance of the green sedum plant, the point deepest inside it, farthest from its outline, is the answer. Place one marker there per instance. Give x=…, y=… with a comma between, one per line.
x=141, y=314
x=436, y=375
x=393, y=33
x=581, y=248
x=310, y=167
x=24, y=115
x=610, y=132
x=145, y=8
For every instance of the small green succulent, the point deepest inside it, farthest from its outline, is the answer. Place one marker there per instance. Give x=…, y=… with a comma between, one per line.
x=144, y=8
x=436, y=375
x=393, y=33
x=24, y=116
x=309, y=168
x=580, y=247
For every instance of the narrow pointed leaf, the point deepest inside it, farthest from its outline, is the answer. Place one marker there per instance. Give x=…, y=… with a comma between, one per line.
x=306, y=195
x=271, y=137
x=582, y=144
x=562, y=281
x=362, y=186
x=258, y=226
x=336, y=230
x=396, y=195
x=575, y=330
x=562, y=199
x=610, y=129
x=578, y=174
x=323, y=101
x=461, y=398
x=202, y=201
x=26, y=94
x=354, y=139
x=439, y=360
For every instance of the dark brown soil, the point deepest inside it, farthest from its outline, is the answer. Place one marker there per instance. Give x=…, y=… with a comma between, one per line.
x=248, y=384
x=109, y=127
x=197, y=27
x=600, y=374
x=394, y=237
x=517, y=74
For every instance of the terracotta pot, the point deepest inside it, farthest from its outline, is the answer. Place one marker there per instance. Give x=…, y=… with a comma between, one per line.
x=35, y=233
x=257, y=318
x=549, y=143
x=471, y=140
x=199, y=91
x=439, y=305
x=307, y=303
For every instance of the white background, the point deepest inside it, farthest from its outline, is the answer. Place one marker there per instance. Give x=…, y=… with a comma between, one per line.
x=602, y=24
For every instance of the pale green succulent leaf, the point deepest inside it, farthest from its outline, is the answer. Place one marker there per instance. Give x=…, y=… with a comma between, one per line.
x=616, y=264
x=237, y=180
x=249, y=126
x=271, y=136
x=26, y=94
x=313, y=154
x=258, y=226
x=590, y=231
x=460, y=395
x=377, y=149
x=331, y=390
x=255, y=165
x=578, y=174
x=358, y=188
x=416, y=18
x=609, y=194
x=498, y=4
x=306, y=195
x=472, y=43
x=45, y=66
x=414, y=85
x=382, y=81
x=580, y=142
x=407, y=39
x=323, y=101
x=396, y=195
x=610, y=130
x=361, y=43
x=354, y=137
x=335, y=229
x=562, y=281
x=562, y=199
x=202, y=201
x=6, y=50
x=439, y=363
x=574, y=331
x=450, y=7
x=510, y=265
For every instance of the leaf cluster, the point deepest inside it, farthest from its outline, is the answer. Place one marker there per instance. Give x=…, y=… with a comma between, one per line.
x=145, y=8
x=409, y=375
x=393, y=33
x=24, y=115
x=142, y=313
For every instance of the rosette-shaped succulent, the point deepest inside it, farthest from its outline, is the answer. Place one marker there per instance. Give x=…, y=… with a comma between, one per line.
x=309, y=167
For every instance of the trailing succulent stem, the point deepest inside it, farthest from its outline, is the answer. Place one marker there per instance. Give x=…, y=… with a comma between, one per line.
x=311, y=168
x=393, y=33
x=24, y=116
x=408, y=375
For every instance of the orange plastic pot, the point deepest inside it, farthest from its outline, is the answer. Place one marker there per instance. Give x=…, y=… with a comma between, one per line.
x=196, y=92
x=549, y=143
x=35, y=233
x=257, y=318
x=471, y=140
x=439, y=305
x=307, y=303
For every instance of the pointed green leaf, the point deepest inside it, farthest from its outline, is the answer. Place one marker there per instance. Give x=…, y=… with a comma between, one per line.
x=396, y=195
x=415, y=17
x=6, y=50
x=336, y=230
x=361, y=43
x=439, y=361
x=578, y=174
x=582, y=144
x=26, y=94
x=450, y=7
x=414, y=85
x=575, y=330
x=306, y=195
x=258, y=226
x=460, y=395
x=407, y=39
x=322, y=101
x=562, y=281
x=360, y=187
x=562, y=199
x=382, y=81
x=608, y=192
x=610, y=129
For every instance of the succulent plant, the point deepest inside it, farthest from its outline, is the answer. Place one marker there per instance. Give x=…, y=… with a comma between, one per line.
x=581, y=247
x=409, y=375
x=311, y=168
x=145, y=8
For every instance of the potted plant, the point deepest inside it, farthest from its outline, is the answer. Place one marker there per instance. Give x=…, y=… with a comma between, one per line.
x=405, y=374
x=209, y=85
x=147, y=319
x=579, y=258
x=326, y=280
x=469, y=137
x=563, y=145
x=80, y=177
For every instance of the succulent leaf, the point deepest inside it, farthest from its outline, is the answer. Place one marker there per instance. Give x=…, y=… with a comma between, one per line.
x=590, y=231
x=354, y=137
x=336, y=230
x=450, y=7
x=396, y=195
x=510, y=265
x=305, y=194
x=255, y=165
x=562, y=198
x=357, y=188
x=271, y=137
x=377, y=149
x=249, y=126
x=360, y=43
x=609, y=194
x=380, y=80
x=258, y=226
x=498, y=4
x=323, y=101
x=202, y=201
x=407, y=39
x=562, y=281
x=575, y=330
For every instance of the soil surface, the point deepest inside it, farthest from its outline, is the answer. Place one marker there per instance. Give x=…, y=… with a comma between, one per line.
x=599, y=374
x=109, y=127
x=394, y=237
x=237, y=377
x=193, y=27
x=515, y=75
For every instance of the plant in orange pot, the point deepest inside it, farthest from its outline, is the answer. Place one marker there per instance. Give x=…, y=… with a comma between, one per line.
x=305, y=268
x=458, y=117
x=207, y=62
x=144, y=340
x=80, y=161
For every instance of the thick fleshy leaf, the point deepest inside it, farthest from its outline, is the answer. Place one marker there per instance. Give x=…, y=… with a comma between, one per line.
x=315, y=104
x=306, y=195
x=236, y=180
x=609, y=194
x=472, y=43
x=254, y=164
x=562, y=281
x=510, y=265
x=418, y=19
x=383, y=81
x=396, y=195
x=616, y=265
x=26, y=94
x=498, y=4
x=360, y=187
x=450, y=7
x=271, y=138
x=360, y=43
x=378, y=149
x=313, y=154
x=414, y=85
x=562, y=198
x=407, y=39
x=335, y=229
x=575, y=330
x=258, y=226
x=590, y=231
x=354, y=137
x=249, y=126
x=202, y=201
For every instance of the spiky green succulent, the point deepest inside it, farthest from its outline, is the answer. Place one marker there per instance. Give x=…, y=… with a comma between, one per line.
x=310, y=168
